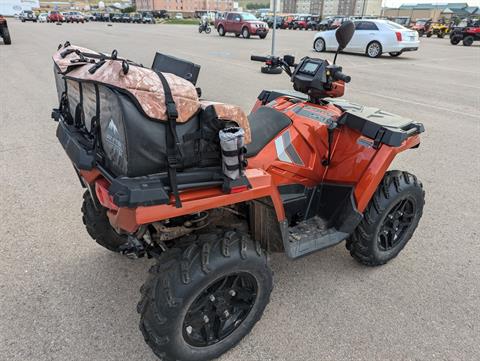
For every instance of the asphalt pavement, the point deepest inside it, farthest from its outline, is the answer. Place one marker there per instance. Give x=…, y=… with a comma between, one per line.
x=62, y=297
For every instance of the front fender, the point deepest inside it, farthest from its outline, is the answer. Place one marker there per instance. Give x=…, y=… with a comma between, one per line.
x=377, y=168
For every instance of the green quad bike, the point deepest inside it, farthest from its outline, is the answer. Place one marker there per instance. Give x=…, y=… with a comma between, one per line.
x=4, y=33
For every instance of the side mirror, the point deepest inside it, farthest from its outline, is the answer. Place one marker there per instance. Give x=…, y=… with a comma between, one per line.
x=344, y=34
x=289, y=59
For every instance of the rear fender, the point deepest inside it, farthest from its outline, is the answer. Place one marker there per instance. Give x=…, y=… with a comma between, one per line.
x=193, y=201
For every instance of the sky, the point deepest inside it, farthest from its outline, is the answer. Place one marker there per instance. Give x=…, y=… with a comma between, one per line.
x=395, y=3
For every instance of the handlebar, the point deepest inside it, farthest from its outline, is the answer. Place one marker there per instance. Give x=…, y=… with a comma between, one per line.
x=340, y=76
x=263, y=59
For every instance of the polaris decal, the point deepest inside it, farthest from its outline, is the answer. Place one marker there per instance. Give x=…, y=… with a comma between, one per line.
x=286, y=152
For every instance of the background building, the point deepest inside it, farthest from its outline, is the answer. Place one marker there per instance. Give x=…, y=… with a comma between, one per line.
x=303, y=6
x=340, y=7
x=433, y=11
x=185, y=5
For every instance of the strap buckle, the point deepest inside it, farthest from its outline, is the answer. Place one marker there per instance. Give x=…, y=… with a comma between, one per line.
x=173, y=161
x=378, y=138
x=172, y=112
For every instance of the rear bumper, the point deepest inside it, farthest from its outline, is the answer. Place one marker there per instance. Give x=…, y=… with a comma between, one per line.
x=404, y=46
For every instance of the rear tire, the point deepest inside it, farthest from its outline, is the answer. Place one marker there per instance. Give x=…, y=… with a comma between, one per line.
x=98, y=225
x=454, y=40
x=319, y=45
x=374, y=50
x=389, y=220
x=7, y=40
x=395, y=54
x=194, y=292
x=221, y=30
x=468, y=41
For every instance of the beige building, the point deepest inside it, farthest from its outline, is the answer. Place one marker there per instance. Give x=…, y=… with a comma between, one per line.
x=188, y=6
x=414, y=14
x=367, y=8
x=303, y=6
x=340, y=7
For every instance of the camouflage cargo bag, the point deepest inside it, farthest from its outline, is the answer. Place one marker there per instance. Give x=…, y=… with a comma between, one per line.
x=140, y=122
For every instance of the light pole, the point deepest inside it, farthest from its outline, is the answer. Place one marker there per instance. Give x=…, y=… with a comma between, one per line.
x=273, y=67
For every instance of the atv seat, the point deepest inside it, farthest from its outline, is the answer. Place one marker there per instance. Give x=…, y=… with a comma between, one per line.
x=265, y=124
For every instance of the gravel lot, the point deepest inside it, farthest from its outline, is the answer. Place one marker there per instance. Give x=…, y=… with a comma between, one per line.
x=62, y=297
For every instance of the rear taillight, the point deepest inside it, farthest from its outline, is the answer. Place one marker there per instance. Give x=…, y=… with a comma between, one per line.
x=399, y=35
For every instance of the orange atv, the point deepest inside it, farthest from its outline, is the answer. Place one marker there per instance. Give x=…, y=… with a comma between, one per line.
x=304, y=173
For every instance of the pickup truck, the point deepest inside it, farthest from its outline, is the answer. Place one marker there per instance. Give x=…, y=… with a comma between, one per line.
x=244, y=24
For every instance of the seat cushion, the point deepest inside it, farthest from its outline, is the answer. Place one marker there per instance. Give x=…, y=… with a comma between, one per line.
x=265, y=124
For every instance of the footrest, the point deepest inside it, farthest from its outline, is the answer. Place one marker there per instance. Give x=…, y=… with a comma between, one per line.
x=310, y=236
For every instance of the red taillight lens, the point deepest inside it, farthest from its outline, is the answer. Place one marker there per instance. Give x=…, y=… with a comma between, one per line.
x=399, y=35
x=239, y=189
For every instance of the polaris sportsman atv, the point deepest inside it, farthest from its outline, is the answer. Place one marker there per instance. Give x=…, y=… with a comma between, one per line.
x=209, y=193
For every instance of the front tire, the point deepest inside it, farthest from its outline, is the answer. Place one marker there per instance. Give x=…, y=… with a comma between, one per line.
x=201, y=300
x=208, y=30
x=221, y=30
x=245, y=33
x=395, y=54
x=319, y=45
x=389, y=220
x=374, y=49
x=98, y=225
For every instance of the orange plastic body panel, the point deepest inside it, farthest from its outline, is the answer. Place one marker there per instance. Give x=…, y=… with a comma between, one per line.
x=354, y=162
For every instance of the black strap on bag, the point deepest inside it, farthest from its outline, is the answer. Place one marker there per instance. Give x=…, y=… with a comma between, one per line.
x=173, y=151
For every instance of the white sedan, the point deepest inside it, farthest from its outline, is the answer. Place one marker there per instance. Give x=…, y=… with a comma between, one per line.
x=373, y=38
x=43, y=17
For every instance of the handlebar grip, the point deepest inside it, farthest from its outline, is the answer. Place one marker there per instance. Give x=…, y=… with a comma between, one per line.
x=340, y=76
x=258, y=58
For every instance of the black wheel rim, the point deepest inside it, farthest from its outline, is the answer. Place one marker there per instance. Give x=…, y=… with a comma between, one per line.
x=396, y=224
x=220, y=309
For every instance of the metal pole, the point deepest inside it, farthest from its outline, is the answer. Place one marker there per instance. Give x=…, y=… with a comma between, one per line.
x=274, y=25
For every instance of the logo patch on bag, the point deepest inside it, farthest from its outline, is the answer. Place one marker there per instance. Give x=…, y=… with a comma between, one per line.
x=112, y=137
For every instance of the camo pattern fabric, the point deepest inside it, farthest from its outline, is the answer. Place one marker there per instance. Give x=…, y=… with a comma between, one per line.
x=143, y=83
x=229, y=112
x=66, y=63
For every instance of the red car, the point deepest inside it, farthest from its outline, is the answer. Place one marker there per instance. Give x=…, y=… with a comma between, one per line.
x=301, y=22
x=244, y=24
x=55, y=17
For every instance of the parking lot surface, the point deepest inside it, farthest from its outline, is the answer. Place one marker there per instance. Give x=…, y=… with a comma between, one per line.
x=62, y=297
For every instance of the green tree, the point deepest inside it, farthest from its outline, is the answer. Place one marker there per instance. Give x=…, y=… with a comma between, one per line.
x=130, y=9
x=255, y=6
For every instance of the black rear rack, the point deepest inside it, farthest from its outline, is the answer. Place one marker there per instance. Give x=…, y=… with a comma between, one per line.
x=132, y=192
